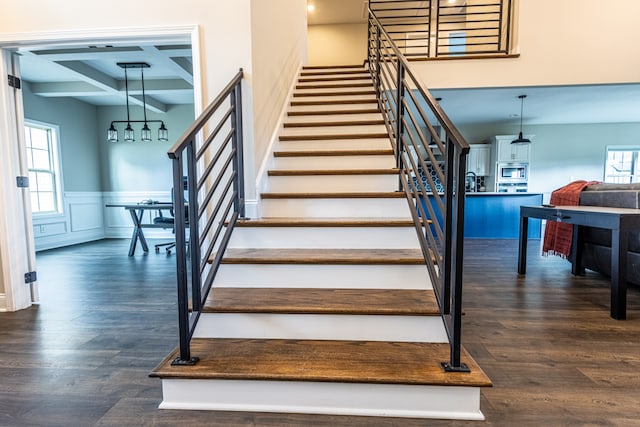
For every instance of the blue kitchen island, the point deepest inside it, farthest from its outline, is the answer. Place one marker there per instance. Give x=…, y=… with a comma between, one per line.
x=497, y=215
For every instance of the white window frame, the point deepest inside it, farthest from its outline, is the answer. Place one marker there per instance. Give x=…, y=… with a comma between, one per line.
x=635, y=172
x=57, y=167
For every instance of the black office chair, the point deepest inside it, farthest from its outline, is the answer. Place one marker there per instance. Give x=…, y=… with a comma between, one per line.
x=169, y=221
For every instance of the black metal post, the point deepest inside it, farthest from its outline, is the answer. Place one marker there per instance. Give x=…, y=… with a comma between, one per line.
x=455, y=364
x=399, y=115
x=181, y=267
x=194, y=238
x=237, y=145
x=448, y=224
x=507, y=48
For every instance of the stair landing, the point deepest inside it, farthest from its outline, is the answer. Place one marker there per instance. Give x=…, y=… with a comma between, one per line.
x=331, y=377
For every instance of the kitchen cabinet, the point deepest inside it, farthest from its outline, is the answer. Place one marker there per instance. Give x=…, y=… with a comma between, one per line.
x=479, y=159
x=508, y=152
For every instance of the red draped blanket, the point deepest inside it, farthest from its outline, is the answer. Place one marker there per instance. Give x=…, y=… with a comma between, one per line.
x=558, y=235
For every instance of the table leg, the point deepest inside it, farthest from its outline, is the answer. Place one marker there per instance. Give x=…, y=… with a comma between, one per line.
x=522, y=248
x=619, y=247
x=136, y=217
x=576, y=248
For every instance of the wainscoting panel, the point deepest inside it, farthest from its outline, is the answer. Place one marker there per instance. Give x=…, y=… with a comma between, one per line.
x=82, y=220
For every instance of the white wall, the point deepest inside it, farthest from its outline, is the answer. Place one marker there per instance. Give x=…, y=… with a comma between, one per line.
x=139, y=166
x=563, y=153
x=560, y=43
x=279, y=48
x=339, y=44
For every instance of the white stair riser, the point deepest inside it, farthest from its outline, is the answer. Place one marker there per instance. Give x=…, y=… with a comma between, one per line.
x=334, y=144
x=308, y=93
x=333, y=130
x=324, y=237
x=332, y=183
x=348, y=327
x=341, y=107
x=330, y=99
x=384, y=400
x=334, y=162
x=333, y=118
x=323, y=276
x=335, y=208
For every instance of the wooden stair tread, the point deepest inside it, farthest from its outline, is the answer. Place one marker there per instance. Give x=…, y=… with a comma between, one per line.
x=326, y=222
x=402, y=302
x=324, y=256
x=312, y=73
x=304, y=153
x=331, y=67
x=333, y=112
x=370, y=122
x=320, y=137
x=311, y=172
x=325, y=361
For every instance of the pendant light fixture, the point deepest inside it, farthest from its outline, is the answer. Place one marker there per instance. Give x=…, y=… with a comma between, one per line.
x=520, y=139
x=129, y=134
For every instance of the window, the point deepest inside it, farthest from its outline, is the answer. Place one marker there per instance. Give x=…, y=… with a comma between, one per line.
x=622, y=165
x=42, y=160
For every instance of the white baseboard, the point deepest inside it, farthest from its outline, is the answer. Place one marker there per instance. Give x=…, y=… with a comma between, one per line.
x=3, y=303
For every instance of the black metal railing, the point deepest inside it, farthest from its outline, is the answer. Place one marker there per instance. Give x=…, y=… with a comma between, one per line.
x=214, y=200
x=444, y=28
x=431, y=155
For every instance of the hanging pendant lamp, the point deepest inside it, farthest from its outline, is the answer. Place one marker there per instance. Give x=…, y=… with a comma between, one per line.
x=521, y=139
x=129, y=133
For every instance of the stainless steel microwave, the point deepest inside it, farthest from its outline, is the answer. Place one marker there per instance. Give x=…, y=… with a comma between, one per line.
x=512, y=172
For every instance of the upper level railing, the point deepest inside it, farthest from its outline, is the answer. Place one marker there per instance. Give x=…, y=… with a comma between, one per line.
x=446, y=28
x=214, y=175
x=431, y=155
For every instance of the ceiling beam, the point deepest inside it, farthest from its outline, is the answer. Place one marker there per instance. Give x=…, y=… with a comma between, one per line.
x=110, y=85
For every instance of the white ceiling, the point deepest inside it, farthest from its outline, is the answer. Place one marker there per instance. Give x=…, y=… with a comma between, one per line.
x=90, y=74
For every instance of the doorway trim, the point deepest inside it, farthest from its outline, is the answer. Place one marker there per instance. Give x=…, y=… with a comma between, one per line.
x=12, y=250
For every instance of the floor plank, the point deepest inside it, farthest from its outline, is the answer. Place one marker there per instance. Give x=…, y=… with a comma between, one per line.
x=82, y=357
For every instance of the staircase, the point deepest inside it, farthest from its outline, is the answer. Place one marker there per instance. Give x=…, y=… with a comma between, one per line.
x=324, y=305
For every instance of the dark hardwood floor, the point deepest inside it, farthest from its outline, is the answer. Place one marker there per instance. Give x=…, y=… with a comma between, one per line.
x=82, y=356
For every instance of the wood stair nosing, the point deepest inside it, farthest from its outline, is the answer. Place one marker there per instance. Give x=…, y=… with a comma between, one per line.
x=375, y=362
x=321, y=137
x=336, y=93
x=331, y=153
x=400, y=302
x=311, y=73
x=369, y=122
x=333, y=79
x=331, y=67
x=315, y=172
x=333, y=102
x=324, y=256
x=333, y=112
x=345, y=195
x=334, y=85
x=327, y=222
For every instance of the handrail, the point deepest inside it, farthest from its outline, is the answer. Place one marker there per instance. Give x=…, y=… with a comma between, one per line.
x=432, y=174
x=215, y=186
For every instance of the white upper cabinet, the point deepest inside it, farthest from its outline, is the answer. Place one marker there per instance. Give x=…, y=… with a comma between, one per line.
x=512, y=153
x=479, y=159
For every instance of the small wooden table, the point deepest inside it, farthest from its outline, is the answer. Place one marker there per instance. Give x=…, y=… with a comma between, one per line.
x=619, y=220
x=137, y=213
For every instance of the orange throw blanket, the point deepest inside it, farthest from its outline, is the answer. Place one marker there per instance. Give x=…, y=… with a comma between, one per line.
x=559, y=235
